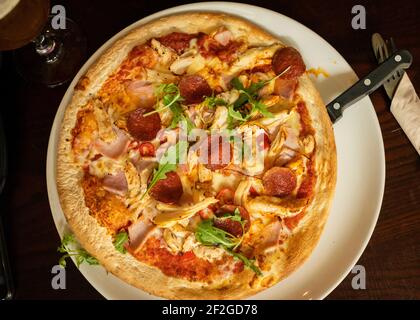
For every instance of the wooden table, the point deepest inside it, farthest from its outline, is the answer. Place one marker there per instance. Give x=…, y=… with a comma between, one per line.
x=392, y=258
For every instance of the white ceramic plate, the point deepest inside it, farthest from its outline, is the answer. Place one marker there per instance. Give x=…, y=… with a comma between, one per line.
x=361, y=165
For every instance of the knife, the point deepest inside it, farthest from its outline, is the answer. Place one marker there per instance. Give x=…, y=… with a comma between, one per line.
x=399, y=60
x=405, y=103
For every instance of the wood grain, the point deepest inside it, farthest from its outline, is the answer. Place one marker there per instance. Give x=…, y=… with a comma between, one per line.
x=392, y=258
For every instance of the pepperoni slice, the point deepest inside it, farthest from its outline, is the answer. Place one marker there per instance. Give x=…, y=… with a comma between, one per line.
x=279, y=181
x=217, y=145
x=178, y=41
x=288, y=57
x=194, y=88
x=233, y=227
x=168, y=190
x=141, y=127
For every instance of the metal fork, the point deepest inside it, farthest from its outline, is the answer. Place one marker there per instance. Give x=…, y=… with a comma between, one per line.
x=384, y=50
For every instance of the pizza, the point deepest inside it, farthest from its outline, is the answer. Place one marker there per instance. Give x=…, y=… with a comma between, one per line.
x=196, y=160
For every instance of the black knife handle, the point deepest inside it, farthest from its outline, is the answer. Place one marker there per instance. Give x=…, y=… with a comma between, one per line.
x=399, y=60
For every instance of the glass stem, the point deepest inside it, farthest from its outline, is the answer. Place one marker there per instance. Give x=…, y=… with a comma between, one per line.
x=47, y=47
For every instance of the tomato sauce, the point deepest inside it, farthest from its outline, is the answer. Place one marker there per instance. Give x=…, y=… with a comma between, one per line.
x=177, y=41
x=265, y=68
x=292, y=222
x=209, y=47
x=305, y=120
x=183, y=265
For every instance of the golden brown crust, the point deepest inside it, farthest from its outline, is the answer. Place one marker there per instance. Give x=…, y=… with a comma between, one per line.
x=95, y=238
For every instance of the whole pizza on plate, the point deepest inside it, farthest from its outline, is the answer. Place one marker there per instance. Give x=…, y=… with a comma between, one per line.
x=196, y=160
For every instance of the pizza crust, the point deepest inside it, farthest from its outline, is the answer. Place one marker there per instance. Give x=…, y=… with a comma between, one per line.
x=95, y=238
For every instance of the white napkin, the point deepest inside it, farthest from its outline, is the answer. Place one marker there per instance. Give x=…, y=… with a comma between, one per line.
x=405, y=107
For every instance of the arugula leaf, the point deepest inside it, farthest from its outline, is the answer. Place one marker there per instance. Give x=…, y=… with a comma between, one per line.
x=248, y=263
x=209, y=235
x=245, y=93
x=169, y=95
x=262, y=108
x=256, y=86
x=253, y=89
x=258, y=106
x=160, y=174
x=213, y=101
x=179, y=116
x=250, y=95
x=237, y=216
x=171, y=98
x=167, y=89
x=232, y=113
x=71, y=248
x=168, y=163
x=237, y=84
x=120, y=240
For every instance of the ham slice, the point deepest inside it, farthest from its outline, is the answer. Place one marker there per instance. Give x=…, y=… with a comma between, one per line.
x=115, y=148
x=139, y=232
x=116, y=184
x=285, y=88
x=142, y=92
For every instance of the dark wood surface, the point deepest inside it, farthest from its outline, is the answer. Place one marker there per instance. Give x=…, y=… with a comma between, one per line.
x=392, y=258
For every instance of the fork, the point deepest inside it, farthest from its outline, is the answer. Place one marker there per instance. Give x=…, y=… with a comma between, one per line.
x=384, y=50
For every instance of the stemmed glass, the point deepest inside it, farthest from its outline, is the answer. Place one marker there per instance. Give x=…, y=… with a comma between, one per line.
x=47, y=54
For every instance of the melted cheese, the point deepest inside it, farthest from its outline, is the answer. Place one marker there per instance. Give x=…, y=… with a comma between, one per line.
x=221, y=181
x=253, y=57
x=208, y=253
x=104, y=165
